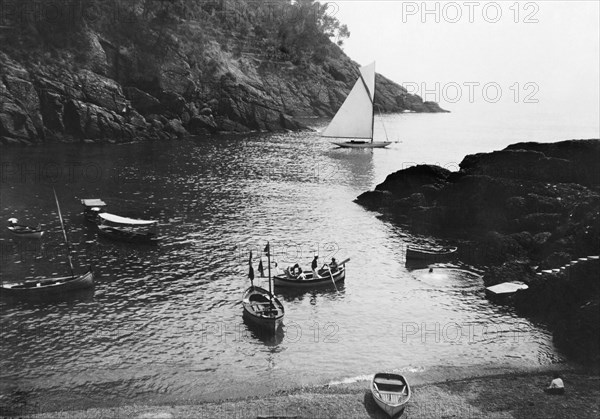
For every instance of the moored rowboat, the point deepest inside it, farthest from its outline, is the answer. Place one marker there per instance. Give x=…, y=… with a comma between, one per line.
x=23, y=231
x=49, y=285
x=429, y=253
x=262, y=309
x=127, y=229
x=391, y=392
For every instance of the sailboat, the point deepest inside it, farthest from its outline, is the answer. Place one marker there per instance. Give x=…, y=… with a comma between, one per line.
x=51, y=286
x=261, y=307
x=355, y=118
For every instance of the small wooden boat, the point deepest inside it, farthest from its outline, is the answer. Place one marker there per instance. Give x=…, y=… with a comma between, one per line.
x=262, y=309
x=23, y=231
x=49, y=285
x=91, y=209
x=391, y=392
x=127, y=229
x=433, y=254
x=504, y=290
x=307, y=280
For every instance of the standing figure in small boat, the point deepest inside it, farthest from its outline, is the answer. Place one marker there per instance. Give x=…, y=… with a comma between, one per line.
x=314, y=266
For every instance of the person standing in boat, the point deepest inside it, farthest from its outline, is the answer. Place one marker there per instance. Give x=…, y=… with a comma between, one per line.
x=314, y=265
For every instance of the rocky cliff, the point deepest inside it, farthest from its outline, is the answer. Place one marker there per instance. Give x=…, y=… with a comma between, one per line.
x=117, y=71
x=520, y=211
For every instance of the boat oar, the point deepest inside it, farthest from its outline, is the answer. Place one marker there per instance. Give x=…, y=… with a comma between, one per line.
x=344, y=261
x=331, y=276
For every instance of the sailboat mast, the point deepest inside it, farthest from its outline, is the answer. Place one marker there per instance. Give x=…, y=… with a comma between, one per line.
x=373, y=113
x=269, y=269
x=62, y=225
x=373, y=121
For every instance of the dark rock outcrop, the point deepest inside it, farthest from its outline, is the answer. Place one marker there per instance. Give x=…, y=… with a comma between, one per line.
x=527, y=205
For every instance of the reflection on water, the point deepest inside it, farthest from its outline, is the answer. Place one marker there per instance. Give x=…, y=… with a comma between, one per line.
x=166, y=323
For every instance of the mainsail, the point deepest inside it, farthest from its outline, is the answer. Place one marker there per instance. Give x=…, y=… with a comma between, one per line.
x=355, y=117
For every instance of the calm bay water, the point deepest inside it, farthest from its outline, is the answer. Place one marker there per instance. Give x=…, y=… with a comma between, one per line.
x=165, y=323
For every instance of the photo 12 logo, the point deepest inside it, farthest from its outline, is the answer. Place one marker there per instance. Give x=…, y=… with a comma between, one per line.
x=470, y=11
x=474, y=91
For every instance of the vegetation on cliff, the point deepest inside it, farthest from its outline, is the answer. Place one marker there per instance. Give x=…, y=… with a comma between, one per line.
x=90, y=69
x=529, y=205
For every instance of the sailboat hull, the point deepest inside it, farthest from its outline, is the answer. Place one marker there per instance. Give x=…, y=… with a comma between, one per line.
x=363, y=144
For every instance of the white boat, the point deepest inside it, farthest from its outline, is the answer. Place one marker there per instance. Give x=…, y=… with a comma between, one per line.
x=355, y=118
x=391, y=392
x=505, y=290
x=127, y=229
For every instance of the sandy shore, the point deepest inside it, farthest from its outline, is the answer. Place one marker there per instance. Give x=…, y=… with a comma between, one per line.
x=509, y=395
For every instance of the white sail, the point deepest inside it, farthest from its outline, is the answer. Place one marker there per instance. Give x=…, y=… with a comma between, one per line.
x=354, y=119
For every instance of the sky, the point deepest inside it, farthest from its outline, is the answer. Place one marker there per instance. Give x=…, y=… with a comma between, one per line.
x=464, y=53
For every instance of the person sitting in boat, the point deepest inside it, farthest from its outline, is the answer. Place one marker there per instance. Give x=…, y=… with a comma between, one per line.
x=295, y=270
x=556, y=386
x=333, y=265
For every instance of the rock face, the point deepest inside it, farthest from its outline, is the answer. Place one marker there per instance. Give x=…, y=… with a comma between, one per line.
x=527, y=205
x=164, y=72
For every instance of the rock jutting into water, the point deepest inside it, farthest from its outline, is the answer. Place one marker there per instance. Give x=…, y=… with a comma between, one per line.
x=118, y=71
x=530, y=208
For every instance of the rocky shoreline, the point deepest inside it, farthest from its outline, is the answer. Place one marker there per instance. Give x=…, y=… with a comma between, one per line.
x=521, y=212
x=165, y=72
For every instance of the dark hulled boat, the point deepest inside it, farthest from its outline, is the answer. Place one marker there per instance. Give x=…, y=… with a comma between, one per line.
x=307, y=278
x=46, y=286
x=261, y=308
x=23, y=231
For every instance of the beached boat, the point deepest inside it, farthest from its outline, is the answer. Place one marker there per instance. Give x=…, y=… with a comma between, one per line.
x=91, y=209
x=127, y=229
x=51, y=286
x=26, y=232
x=307, y=279
x=261, y=307
x=391, y=392
x=433, y=254
x=355, y=118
